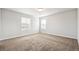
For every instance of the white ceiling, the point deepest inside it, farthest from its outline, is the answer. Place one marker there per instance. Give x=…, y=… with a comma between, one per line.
x=35, y=12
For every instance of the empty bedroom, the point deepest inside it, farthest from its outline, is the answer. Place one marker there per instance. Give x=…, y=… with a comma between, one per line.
x=38, y=29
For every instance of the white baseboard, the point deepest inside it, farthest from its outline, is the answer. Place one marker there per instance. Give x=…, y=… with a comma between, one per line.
x=61, y=35
x=14, y=36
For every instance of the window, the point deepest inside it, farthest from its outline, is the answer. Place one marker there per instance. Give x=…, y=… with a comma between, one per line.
x=25, y=23
x=43, y=24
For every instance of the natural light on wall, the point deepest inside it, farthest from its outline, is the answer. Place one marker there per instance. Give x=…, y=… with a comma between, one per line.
x=25, y=23
x=43, y=24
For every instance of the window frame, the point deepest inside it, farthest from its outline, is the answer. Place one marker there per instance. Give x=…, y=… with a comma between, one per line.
x=27, y=25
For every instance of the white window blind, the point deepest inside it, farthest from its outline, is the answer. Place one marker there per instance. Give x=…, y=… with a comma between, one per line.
x=25, y=23
x=43, y=24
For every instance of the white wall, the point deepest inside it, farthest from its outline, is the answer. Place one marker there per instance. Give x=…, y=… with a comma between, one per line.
x=78, y=26
x=0, y=24
x=11, y=23
x=62, y=24
x=36, y=24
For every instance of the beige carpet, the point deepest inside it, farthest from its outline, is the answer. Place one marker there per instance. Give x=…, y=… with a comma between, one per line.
x=39, y=42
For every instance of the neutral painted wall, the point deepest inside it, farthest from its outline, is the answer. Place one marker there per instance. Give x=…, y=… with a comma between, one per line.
x=62, y=24
x=36, y=24
x=0, y=24
x=11, y=23
x=78, y=26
